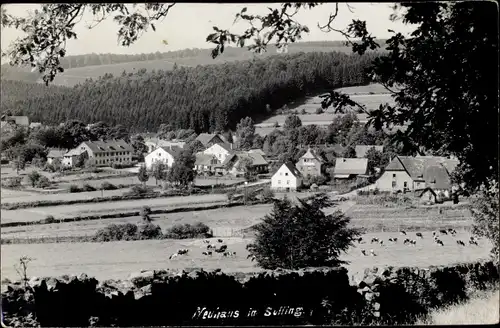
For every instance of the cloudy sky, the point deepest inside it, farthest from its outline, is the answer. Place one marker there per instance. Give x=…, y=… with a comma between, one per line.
x=188, y=24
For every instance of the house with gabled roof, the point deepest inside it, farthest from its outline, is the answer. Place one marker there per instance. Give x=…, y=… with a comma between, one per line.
x=310, y=164
x=107, y=152
x=347, y=168
x=162, y=154
x=361, y=150
x=153, y=143
x=286, y=178
x=417, y=173
x=206, y=163
x=208, y=139
x=258, y=164
x=220, y=150
x=55, y=154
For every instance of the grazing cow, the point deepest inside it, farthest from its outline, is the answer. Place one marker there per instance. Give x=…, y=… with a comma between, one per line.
x=206, y=241
x=372, y=252
x=375, y=240
x=391, y=239
x=182, y=251
x=359, y=240
x=406, y=241
x=471, y=238
x=211, y=246
x=419, y=234
x=381, y=242
x=443, y=231
x=173, y=256
x=363, y=252
x=473, y=242
x=439, y=242
x=207, y=253
x=403, y=232
x=222, y=249
x=413, y=242
x=460, y=242
x=220, y=240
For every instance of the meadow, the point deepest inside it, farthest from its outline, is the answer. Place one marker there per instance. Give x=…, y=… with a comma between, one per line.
x=116, y=260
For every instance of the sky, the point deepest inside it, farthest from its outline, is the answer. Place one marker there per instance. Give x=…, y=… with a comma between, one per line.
x=188, y=24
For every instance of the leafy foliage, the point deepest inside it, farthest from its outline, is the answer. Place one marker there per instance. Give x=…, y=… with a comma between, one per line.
x=185, y=231
x=298, y=236
x=143, y=175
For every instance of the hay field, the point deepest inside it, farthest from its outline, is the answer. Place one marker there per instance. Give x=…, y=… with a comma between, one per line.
x=37, y=213
x=116, y=260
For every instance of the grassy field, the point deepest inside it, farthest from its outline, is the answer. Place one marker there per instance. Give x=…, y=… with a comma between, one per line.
x=38, y=213
x=482, y=308
x=116, y=260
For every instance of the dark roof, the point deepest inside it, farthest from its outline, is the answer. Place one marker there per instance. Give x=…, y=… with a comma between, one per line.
x=311, y=154
x=204, y=159
x=293, y=169
x=361, y=150
x=256, y=158
x=206, y=138
x=172, y=150
x=108, y=145
x=426, y=168
x=56, y=153
x=20, y=120
x=346, y=166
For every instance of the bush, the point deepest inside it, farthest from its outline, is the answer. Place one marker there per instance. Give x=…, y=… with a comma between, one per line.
x=108, y=186
x=33, y=178
x=139, y=190
x=87, y=187
x=122, y=165
x=49, y=219
x=319, y=110
x=185, y=231
x=267, y=194
x=43, y=182
x=74, y=188
x=150, y=231
x=115, y=232
x=303, y=111
x=14, y=182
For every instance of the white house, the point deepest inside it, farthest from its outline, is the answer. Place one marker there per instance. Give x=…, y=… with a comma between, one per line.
x=287, y=178
x=55, y=154
x=70, y=159
x=165, y=155
x=220, y=150
x=153, y=143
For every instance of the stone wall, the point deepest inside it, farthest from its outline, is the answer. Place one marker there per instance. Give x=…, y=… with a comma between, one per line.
x=311, y=296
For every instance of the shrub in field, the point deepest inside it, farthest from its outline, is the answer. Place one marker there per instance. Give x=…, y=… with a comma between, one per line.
x=42, y=182
x=150, y=231
x=298, y=236
x=319, y=110
x=115, y=232
x=33, y=178
x=145, y=212
x=108, y=186
x=185, y=231
x=267, y=194
x=74, y=188
x=139, y=190
x=14, y=182
x=49, y=219
x=87, y=187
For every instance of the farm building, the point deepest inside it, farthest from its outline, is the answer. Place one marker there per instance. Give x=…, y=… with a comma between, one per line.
x=71, y=158
x=35, y=125
x=417, y=173
x=220, y=150
x=153, y=143
x=361, y=150
x=206, y=163
x=165, y=155
x=23, y=121
x=55, y=154
x=257, y=151
x=208, y=139
x=287, y=178
x=232, y=164
x=310, y=164
x=348, y=168
x=107, y=152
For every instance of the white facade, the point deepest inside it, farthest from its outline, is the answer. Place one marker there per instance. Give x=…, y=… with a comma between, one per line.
x=398, y=180
x=285, y=179
x=158, y=155
x=218, y=151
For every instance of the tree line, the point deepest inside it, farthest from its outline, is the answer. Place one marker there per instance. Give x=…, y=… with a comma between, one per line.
x=205, y=98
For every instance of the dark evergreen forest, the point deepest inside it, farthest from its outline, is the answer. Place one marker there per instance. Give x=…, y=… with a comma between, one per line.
x=204, y=98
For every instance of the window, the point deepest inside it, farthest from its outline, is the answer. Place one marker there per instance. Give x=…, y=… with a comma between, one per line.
x=286, y=174
x=393, y=184
x=279, y=181
x=405, y=184
x=281, y=173
x=394, y=175
x=287, y=182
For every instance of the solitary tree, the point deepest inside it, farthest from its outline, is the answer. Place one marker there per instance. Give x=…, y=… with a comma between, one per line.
x=182, y=171
x=159, y=172
x=143, y=175
x=299, y=236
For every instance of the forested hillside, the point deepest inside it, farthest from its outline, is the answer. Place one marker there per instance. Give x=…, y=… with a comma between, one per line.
x=79, y=67
x=204, y=98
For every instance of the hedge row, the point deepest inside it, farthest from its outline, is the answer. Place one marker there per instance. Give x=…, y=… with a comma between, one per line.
x=129, y=214
x=304, y=297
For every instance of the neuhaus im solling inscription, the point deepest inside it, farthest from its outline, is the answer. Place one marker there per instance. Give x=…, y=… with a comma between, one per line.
x=205, y=313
